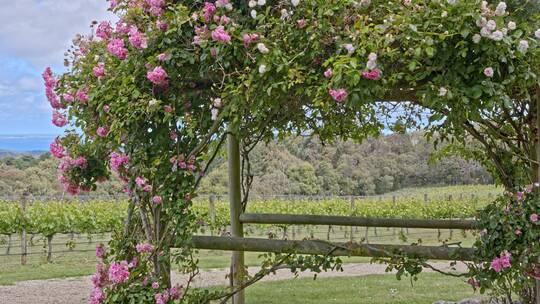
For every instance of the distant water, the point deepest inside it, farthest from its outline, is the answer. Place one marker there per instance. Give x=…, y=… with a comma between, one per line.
x=26, y=143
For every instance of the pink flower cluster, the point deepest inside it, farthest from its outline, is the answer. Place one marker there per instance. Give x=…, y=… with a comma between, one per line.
x=118, y=161
x=180, y=163
x=102, y=131
x=374, y=74
x=96, y=296
x=137, y=39
x=328, y=73
x=100, y=251
x=58, y=119
x=50, y=85
x=119, y=272
x=338, y=95
x=220, y=35
x=502, y=262
x=142, y=184
x=104, y=30
x=82, y=96
x=156, y=7
x=56, y=148
x=209, y=10
x=144, y=248
x=249, y=39
x=174, y=293
x=117, y=48
x=534, y=218
x=157, y=200
x=158, y=76
x=162, y=25
x=201, y=34
x=99, y=70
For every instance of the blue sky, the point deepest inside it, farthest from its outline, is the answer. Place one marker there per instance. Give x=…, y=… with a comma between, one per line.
x=33, y=35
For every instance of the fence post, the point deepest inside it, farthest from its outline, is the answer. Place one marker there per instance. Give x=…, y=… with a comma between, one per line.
x=24, y=248
x=353, y=211
x=235, y=202
x=212, y=212
x=394, y=205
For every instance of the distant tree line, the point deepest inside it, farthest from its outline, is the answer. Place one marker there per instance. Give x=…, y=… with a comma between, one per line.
x=303, y=166
x=307, y=166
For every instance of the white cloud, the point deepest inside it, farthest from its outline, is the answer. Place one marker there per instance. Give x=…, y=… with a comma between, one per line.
x=39, y=31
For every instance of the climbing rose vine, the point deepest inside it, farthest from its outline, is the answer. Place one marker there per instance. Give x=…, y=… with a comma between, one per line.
x=147, y=99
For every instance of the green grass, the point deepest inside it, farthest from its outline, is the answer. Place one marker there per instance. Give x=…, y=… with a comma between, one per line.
x=371, y=289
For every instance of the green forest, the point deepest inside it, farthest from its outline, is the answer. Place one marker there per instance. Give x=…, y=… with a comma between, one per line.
x=300, y=166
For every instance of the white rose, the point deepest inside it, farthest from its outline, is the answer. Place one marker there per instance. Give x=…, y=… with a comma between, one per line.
x=262, y=48
x=501, y=9
x=262, y=69
x=217, y=103
x=295, y=2
x=537, y=34
x=512, y=25
x=253, y=14
x=485, y=32
x=284, y=14
x=442, y=91
x=476, y=38
x=523, y=46
x=261, y=2
x=349, y=47
x=491, y=25
x=481, y=22
x=451, y=2
x=497, y=36
x=252, y=3
x=215, y=113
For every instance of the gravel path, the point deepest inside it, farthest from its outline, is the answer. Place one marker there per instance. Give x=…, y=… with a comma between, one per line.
x=75, y=290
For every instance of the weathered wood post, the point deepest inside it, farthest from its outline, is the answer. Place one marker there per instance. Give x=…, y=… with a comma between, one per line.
x=537, y=145
x=235, y=202
x=24, y=248
x=394, y=205
x=353, y=212
x=212, y=212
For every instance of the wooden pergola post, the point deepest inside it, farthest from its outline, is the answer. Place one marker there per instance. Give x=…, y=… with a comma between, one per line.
x=235, y=201
x=538, y=166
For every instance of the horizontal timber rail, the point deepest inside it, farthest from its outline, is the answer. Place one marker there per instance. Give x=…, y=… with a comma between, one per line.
x=291, y=219
x=319, y=247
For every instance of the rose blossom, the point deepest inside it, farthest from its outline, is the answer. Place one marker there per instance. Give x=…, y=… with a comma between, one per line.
x=102, y=131
x=534, y=217
x=158, y=76
x=99, y=70
x=489, y=72
x=220, y=35
x=338, y=95
x=328, y=73
x=157, y=200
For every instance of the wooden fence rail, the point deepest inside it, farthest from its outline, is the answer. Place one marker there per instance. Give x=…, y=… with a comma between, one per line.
x=335, y=249
x=292, y=219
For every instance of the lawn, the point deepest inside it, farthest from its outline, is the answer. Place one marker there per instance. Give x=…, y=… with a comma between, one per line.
x=370, y=289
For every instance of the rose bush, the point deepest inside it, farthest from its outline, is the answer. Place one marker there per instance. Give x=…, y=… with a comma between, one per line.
x=149, y=98
x=508, y=248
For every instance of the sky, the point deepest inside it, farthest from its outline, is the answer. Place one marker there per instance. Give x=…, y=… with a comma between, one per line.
x=34, y=34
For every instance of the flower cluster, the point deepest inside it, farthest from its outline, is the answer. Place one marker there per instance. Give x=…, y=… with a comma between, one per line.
x=118, y=162
x=180, y=163
x=158, y=76
x=501, y=262
x=338, y=95
x=118, y=272
x=144, y=248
